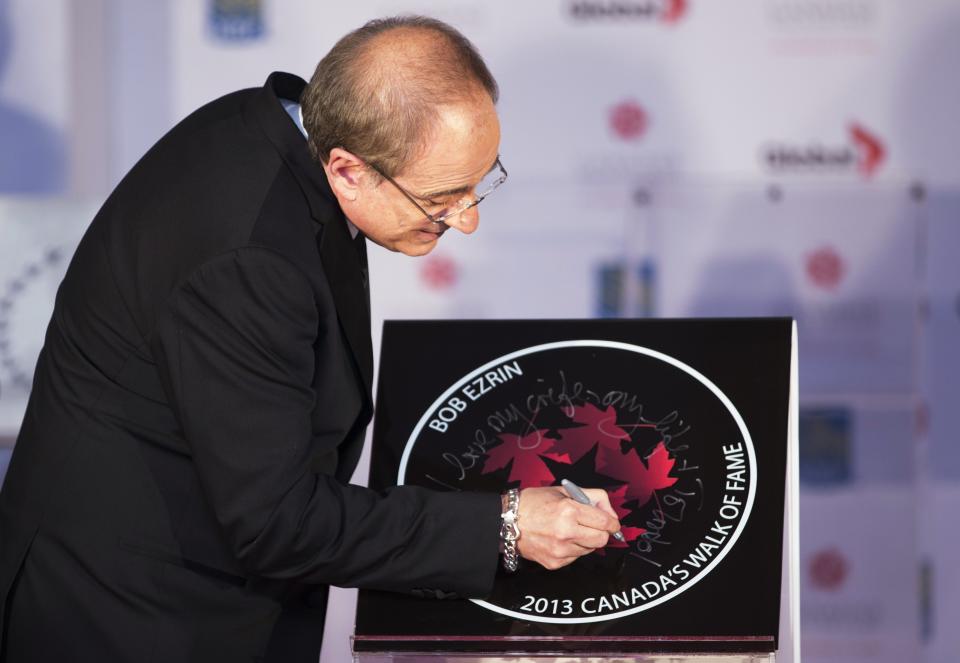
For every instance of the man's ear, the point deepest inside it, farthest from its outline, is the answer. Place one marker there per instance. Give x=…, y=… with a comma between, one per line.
x=344, y=171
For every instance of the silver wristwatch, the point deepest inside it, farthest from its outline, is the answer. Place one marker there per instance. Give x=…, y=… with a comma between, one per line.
x=510, y=531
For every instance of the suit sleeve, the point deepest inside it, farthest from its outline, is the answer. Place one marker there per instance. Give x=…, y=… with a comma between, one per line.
x=236, y=345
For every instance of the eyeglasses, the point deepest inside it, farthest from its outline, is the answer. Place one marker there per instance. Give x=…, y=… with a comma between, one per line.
x=493, y=179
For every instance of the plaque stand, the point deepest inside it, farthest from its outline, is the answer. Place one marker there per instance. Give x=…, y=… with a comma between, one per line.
x=568, y=649
x=384, y=657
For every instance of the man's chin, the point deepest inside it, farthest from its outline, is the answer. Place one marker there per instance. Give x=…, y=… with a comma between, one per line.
x=416, y=250
x=421, y=246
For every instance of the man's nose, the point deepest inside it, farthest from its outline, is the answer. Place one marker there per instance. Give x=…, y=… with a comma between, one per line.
x=468, y=220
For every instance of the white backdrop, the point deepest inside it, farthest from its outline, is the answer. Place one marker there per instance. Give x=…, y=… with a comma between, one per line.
x=667, y=158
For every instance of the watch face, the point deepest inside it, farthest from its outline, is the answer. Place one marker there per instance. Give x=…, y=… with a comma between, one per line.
x=669, y=447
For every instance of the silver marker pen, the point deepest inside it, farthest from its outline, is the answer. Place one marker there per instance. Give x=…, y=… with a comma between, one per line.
x=579, y=496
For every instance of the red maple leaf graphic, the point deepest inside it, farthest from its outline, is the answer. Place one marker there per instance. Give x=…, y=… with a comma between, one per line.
x=599, y=427
x=629, y=533
x=617, y=499
x=528, y=467
x=641, y=479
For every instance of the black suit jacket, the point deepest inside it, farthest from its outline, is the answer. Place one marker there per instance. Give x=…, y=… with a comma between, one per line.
x=178, y=484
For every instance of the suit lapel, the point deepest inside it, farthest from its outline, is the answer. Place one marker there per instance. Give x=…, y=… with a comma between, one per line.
x=346, y=275
x=343, y=265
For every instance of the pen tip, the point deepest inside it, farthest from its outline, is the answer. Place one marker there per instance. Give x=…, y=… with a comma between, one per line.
x=619, y=537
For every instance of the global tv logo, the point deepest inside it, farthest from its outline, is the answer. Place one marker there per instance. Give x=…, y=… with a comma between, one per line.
x=863, y=152
x=669, y=12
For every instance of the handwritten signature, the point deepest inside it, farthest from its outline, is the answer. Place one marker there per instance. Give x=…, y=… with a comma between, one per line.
x=566, y=395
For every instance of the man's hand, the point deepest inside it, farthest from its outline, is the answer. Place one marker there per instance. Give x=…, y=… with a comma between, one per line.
x=555, y=530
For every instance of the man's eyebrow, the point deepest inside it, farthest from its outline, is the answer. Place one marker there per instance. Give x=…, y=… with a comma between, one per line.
x=445, y=192
x=459, y=189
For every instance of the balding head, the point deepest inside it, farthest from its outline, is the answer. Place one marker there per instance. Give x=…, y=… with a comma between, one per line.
x=379, y=91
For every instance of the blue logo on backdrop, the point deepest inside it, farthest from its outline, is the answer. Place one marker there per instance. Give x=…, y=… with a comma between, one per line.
x=619, y=297
x=610, y=289
x=825, y=446
x=237, y=20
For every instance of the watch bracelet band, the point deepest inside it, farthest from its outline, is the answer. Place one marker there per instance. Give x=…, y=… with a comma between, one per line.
x=510, y=530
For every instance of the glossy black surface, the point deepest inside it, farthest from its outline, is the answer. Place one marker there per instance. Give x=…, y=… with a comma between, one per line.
x=659, y=435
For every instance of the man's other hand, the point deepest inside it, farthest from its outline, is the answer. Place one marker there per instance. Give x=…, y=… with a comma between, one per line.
x=555, y=530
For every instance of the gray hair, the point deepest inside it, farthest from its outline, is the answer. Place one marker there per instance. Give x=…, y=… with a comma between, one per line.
x=376, y=93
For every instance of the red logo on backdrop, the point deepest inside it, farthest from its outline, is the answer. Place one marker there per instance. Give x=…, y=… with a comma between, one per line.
x=869, y=147
x=439, y=272
x=825, y=268
x=673, y=11
x=828, y=569
x=628, y=120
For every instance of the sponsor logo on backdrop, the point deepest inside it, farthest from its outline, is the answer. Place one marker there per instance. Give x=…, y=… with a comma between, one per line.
x=628, y=120
x=237, y=20
x=822, y=14
x=630, y=125
x=825, y=446
x=439, y=272
x=828, y=569
x=823, y=28
x=664, y=11
x=23, y=319
x=670, y=448
x=614, y=298
x=825, y=268
x=838, y=623
x=863, y=152
x=870, y=151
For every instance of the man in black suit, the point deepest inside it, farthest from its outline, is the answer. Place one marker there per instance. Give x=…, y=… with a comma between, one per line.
x=178, y=490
